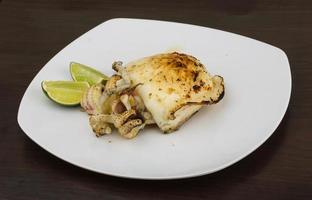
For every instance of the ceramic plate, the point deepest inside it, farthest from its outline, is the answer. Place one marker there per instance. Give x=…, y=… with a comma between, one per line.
x=257, y=82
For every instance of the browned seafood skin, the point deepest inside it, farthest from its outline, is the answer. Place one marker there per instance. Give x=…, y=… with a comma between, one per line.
x=166, y=89
x=173, y=81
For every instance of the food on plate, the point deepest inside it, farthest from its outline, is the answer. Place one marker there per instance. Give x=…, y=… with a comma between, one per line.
x=173, y=87
x=163, y=89
x=80, y=72
x=90, y=101
x=67, y=93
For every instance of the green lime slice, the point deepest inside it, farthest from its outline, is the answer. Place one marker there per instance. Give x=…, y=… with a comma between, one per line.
x=67, y=93
x=80, y=72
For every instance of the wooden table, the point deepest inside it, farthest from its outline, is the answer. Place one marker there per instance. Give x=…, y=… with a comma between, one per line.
x=33, y=31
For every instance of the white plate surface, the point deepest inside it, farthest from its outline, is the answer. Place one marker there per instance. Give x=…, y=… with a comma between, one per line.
x=257, y=81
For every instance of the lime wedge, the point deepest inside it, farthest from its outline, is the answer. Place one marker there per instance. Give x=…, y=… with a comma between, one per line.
x=80, y=72
x=67, y=93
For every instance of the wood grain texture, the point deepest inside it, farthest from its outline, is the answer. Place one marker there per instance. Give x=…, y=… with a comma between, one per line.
x=33, y=31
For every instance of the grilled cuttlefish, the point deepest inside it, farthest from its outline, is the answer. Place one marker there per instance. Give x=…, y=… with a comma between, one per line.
x=166, y=89
x=173, y=86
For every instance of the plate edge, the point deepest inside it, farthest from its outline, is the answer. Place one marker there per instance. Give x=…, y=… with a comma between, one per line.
x=20, y=123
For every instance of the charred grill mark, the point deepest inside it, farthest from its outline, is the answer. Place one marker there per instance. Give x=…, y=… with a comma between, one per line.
x=195, y=75
x=201, y=65
x=220, y=96
x=201, y=83
x=196, y=88
x=165, y=78
x=179, y=64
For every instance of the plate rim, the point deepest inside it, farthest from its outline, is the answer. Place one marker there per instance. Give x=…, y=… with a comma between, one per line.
x=173, y=177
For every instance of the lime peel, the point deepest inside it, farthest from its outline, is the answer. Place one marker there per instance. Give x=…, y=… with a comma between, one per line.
x=80, y=72
x=67, y=93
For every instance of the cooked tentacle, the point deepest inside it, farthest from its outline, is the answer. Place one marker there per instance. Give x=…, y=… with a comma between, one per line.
x=100, y=124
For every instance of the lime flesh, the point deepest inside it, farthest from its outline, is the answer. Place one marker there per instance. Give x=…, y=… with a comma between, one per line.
x=67, y=93
x=80, y=72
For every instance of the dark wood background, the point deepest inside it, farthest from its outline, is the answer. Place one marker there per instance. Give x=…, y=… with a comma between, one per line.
x=33, y=31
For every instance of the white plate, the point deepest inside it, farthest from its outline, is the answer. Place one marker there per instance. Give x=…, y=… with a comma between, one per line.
x=257, y=81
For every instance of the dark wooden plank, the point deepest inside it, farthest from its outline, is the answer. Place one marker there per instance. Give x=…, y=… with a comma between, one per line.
x=32, y=31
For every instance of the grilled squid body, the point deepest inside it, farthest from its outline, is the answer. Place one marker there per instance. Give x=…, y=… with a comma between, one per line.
x=173, y=86
x=166, y=89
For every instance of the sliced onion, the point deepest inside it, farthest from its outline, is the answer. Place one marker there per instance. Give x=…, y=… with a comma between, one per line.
x=91, y=101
